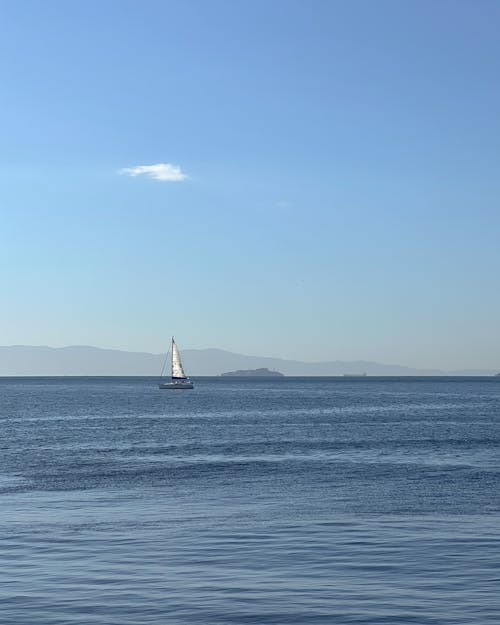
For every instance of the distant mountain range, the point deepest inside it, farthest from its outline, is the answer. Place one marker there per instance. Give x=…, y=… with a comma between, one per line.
x=25, y=360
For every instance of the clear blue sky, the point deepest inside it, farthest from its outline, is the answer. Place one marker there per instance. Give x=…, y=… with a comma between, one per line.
x=342, y=189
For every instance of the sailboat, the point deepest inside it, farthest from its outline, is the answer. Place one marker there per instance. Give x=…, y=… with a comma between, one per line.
x=178, y=379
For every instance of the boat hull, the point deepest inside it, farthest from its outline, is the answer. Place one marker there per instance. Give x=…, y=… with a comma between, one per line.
x=175, y=385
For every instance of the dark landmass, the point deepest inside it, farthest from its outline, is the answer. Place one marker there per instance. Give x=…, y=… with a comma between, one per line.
x=254, y=373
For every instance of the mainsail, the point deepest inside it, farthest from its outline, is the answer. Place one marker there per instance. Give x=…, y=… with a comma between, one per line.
x=177, y=370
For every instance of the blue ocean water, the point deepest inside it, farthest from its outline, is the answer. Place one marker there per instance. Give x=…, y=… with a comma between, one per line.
x=308, y=501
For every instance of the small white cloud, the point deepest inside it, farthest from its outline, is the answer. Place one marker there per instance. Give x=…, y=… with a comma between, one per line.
x=161, y=171
x=283, y=204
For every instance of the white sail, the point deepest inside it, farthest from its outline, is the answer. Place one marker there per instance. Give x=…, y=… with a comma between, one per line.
x=177, y=370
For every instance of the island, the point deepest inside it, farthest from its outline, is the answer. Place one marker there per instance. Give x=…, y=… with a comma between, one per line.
x=254, y=373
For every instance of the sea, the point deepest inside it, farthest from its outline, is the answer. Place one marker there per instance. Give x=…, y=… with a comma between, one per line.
x=282, y=501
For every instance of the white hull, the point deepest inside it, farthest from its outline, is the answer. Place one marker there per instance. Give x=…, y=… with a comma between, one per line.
x=176, y=385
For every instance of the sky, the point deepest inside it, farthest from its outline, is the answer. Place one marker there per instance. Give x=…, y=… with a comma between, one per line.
x=310, y=180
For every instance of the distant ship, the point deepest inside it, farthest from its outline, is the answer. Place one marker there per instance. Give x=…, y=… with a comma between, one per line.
x=178, y=379
x=354, y=375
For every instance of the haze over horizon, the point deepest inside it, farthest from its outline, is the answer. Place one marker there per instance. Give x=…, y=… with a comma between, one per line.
x=312, y=182
x=39, y=360
x=22, y=361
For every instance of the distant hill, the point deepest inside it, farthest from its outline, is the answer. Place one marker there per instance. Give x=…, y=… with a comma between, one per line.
x=76, y=360
x=263, y=372
x=24, y=360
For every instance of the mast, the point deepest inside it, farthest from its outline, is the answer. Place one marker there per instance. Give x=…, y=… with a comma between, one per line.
x=172, y=358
